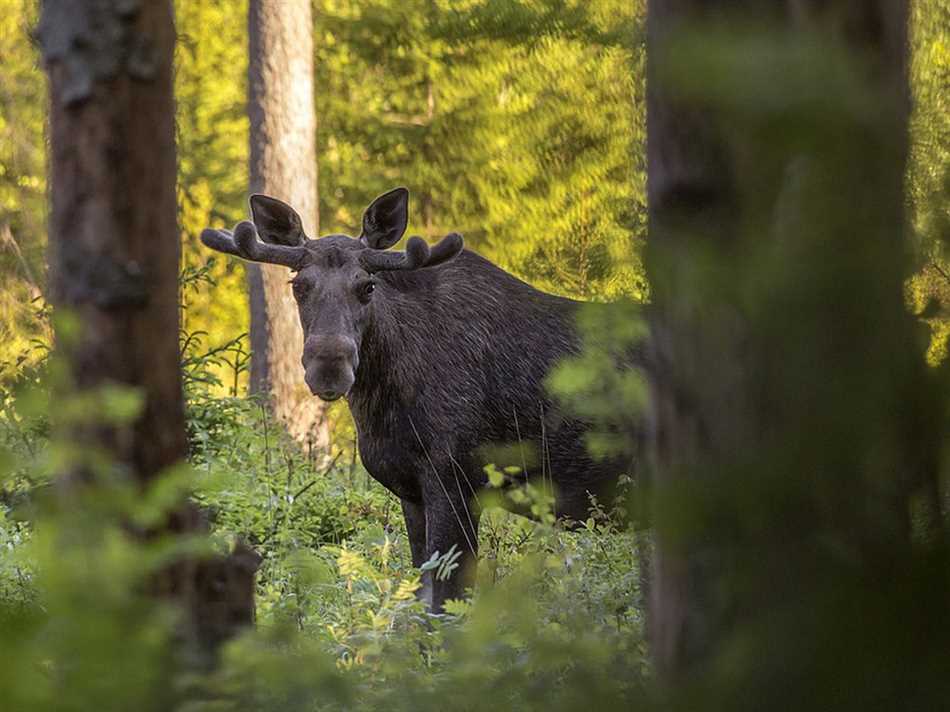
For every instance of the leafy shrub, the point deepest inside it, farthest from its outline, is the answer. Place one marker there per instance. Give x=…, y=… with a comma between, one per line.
x=555, y=609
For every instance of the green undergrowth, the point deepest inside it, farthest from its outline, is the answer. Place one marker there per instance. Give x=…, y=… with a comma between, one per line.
x=556, y=611
x=336, y=563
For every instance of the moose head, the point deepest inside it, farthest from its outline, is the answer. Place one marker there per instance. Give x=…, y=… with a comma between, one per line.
x=335, y=284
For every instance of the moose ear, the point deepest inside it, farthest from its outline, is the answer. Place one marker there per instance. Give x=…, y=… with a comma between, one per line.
x=385, y=220
x=277, y=223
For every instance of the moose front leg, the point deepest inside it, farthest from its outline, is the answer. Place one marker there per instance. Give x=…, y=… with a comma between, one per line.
x=450, y=520
x=415, y=515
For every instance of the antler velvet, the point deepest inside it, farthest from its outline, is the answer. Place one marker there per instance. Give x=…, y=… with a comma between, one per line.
x=417, y=255
x=244, y=242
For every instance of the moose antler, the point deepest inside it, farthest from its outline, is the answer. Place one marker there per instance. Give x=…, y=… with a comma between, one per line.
x=417, y=255
x=244, y=242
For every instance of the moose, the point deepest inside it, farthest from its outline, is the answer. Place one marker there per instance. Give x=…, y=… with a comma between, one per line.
x=442, y=358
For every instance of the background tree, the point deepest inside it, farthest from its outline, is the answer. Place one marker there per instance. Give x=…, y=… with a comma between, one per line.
x=113, y=232
x=794, y=421
x=284, y=165
x=114, y=255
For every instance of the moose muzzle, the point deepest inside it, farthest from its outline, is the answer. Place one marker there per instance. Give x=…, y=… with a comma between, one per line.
x=330, y=364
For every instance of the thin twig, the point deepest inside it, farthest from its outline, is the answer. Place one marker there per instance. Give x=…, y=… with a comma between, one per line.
x=266, y=443
x=940, y=270
x=6, y=236
x=544, y=446
x=295, y=497
x=314, y=481
x=462, y=497
x=474, y=493
x=524, y=461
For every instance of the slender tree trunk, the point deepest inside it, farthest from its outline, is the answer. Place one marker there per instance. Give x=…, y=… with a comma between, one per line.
x=780, y=338
x=284, y=165
x=114, y=254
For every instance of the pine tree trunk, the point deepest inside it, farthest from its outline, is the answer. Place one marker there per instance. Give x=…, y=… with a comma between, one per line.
x=766, y=257
x=283, y=165
x=114, y=243
x=114, y=256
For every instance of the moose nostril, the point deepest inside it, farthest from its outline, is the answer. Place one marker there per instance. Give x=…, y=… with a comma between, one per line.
x=329, y=349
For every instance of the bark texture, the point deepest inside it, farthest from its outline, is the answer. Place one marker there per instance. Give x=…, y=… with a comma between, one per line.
x=114, y=256
x=736, y=213
x=113, y=247
x=283, y=165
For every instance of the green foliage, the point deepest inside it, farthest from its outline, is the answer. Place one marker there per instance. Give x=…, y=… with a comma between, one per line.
x=212, y=137
x=599, y=385
x=75, y=614
x=338, y=622
x=529, y=149
x=22, y=182
x=929, y=171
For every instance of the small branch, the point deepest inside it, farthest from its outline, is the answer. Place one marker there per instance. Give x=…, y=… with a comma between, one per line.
x=314, y=481
x=266, y=443
x=273, y=529
x=6, y=237
x=940, y=270
x=405, y=120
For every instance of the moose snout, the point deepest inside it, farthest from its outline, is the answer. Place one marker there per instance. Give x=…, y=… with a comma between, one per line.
x=330, y=365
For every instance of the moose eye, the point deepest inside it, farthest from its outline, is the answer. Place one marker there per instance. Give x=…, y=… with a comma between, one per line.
x=366, y=290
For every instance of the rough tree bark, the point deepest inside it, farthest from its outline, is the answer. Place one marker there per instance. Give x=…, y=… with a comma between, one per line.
x=114, y=252
x=113, y=246
x=745, y=220
x=284, y=165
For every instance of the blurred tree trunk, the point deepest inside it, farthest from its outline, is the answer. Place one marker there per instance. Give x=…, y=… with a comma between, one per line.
x=789, y=411
x=113, y=244
x=114, y=253
x=284, y=165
